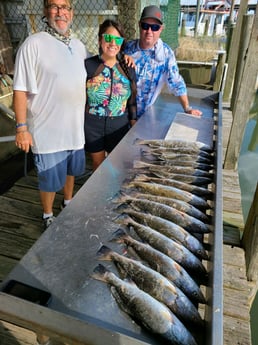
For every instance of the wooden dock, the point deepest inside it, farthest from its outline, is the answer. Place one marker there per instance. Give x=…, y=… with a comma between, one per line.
x=20, y=227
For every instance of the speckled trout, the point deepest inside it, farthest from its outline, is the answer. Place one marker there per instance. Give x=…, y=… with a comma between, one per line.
x=177, y=204
x=155, y=284
x=141, y=306
x=167, y=228
x=170, y=155
x=187, y=222
x=180, y=145
x=162, y=264
x=169, y=191
x=166, y=245
x=191, y=179
x=175, y=169
x=196, y=190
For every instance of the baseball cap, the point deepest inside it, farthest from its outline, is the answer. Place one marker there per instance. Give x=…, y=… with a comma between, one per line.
x=152, y=12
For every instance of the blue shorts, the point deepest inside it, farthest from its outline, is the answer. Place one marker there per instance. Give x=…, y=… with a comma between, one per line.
x=52, y=168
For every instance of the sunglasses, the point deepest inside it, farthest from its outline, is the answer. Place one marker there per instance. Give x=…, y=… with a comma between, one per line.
x=109, y=38
x=154, y=27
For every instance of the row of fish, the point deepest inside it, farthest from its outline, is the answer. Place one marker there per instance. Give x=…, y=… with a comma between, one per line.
x=162, y=217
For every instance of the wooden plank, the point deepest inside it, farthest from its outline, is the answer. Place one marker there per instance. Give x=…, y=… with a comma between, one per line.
x=229, y=255
x=244, y=99
x=6, y=265
x=28, y=228
x=235, y=279
x=14, y=246
x=244, y=39
x=236, y=331
x=24, y=209
x=14, y=335
x=233, y=51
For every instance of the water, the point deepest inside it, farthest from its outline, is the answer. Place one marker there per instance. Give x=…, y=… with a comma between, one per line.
x=248, y=177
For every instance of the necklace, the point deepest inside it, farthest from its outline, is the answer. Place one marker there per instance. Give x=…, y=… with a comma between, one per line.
x=65, y=39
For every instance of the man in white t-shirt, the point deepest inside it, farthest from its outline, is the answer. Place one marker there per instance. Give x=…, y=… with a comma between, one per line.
x=49, y=101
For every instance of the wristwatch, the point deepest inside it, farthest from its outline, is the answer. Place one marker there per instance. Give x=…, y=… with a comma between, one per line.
x=187, y=109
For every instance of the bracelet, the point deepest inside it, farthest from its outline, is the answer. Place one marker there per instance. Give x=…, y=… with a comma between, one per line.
x=18, y=125
x=187, y=109
x=23, y=131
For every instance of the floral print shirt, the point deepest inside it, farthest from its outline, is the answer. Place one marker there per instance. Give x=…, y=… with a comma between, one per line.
x=108, y=92
x=154, y=68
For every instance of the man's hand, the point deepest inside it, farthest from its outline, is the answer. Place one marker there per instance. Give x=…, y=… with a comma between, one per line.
x=24, y=140
x=129, y=61
x=194, y=112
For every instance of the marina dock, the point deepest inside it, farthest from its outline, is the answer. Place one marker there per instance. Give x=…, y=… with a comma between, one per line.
x=20, y=227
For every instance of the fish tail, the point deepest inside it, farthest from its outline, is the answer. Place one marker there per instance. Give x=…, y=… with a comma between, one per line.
x=123, y=218
x=119, y=236
x=141, y=177
x=139, y=164
x=148, y=154
x=104, y=253
x=122, y=197
x=138, y=141
x=99, y=273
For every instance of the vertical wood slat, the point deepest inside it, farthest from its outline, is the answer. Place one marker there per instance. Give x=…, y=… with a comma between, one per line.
x=219, y=72
x=245, y=39
x=233, y=51
x=244, y=99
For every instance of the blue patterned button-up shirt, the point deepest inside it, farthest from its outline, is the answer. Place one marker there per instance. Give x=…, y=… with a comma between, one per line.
x=154, y=68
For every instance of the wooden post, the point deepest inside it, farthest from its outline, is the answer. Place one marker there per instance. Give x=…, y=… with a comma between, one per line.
x=183, y=29
x=206, y=28
x=197, y=18
x=244, y=99
x=244, y=39
x=250, y=240
x=233, y=51
x=219, y=72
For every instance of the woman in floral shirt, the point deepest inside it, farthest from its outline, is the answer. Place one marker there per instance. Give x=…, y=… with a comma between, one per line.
x=111, y=94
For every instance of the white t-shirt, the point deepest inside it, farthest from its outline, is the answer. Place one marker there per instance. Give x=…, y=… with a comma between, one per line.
x=54, y=76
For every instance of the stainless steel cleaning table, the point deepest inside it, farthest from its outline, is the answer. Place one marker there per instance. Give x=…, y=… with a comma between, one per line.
x=63, y=258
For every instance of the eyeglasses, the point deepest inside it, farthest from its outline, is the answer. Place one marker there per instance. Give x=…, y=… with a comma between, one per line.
x=55, y=8
x=154, y=27
x=109, y=38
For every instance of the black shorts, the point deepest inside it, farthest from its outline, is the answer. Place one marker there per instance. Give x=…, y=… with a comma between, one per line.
x=103, y=133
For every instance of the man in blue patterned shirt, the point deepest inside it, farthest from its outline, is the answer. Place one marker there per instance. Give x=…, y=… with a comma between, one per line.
x=155, y=64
